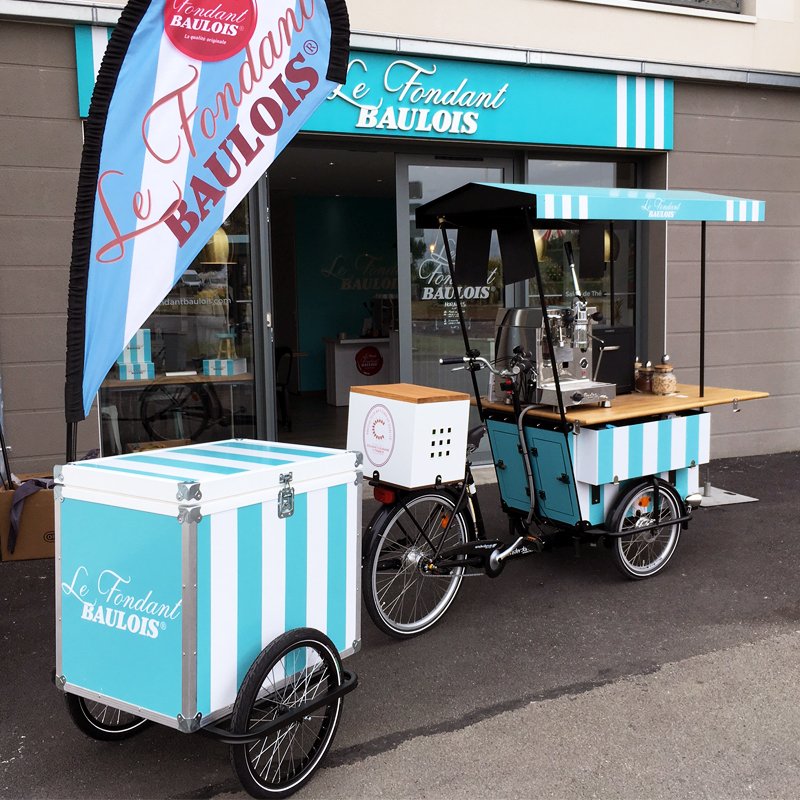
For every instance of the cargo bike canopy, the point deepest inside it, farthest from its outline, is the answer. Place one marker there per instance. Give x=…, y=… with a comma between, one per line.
x=516, y=210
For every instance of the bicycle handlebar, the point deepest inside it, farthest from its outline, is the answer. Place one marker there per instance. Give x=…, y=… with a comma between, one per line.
x=476, y=363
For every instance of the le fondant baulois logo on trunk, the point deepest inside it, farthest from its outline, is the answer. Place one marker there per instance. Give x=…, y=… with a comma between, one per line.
x=194, y=100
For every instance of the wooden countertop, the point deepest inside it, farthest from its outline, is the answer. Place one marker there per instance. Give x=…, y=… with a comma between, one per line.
x=409, y=393
x=630, y=406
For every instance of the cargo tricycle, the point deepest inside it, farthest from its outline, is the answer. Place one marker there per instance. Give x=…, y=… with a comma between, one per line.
x=575, y=461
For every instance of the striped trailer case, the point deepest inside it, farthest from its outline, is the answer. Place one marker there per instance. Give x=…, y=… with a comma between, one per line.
x=175, y=568
x=609, y=458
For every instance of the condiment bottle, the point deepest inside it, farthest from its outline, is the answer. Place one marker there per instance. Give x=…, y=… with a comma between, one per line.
x=644, y=383
x=664, y=380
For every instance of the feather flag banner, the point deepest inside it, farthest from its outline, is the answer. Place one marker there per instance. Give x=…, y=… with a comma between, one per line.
x=193, y=102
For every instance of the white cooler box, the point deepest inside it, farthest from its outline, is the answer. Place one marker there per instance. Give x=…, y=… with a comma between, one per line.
x=409, y=436
x=176, y=567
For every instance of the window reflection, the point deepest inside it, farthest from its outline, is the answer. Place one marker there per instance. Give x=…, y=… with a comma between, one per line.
x=191, y=378
x=606, y=265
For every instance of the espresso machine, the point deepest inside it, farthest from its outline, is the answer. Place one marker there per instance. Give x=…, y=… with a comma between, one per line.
x=521, y=336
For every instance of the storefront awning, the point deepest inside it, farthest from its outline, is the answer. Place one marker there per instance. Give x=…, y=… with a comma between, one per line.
x=497, y=205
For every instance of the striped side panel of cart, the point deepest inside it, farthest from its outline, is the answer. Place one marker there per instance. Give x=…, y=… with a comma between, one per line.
x=630, y=451
x=260, y=575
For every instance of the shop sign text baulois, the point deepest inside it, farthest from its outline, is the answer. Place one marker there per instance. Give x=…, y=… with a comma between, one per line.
x=423, y=97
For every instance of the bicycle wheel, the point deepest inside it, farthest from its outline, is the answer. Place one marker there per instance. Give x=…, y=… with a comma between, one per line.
x=99, y=721
x=642, y=554
x=175, y=411
x=299, y=666
x=404, y=597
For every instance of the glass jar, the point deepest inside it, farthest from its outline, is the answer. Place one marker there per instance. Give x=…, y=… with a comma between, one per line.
x=644, y=383
x=664, y=380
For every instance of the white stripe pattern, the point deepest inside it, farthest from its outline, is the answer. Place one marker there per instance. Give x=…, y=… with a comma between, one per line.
x=273, y=573
x=224, y=596
x=641, y=113
x=658, y=114
x=621, y=447
x=99, y=45
x=317, y=574
x=549, y=206
x=566, y=206
x=583, y=207
x=148, y=285
x=678, y=439
x=650, y=449
x=622, y=111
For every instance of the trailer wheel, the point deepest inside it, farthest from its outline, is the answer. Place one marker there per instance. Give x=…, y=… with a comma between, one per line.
x=644, y=553
x=99, y=721
x=298, y=667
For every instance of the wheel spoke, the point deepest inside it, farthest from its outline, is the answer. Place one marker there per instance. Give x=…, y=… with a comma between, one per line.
x=404, y=596
x=287, y=755
x=644, y=550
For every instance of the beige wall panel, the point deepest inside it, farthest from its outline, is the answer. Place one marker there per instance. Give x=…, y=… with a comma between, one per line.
x=769, y=313
x=37, y=46
x=724, y=279
x=732, y=174
x=49, y=92
x=36, y=242
x=37, y=290
x=753, y=443
x=756, y=376
x=38, y=439
x=730, y=101
x=727, y=244
x=705, y=134
x=734, y=348
x=33, y=387
x=557, y=25
x=25, y=339
x=754, y=416
x=39, y=192
x=42, y=143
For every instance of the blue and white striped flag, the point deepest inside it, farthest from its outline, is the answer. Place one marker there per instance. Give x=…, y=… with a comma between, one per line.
x=193, y=102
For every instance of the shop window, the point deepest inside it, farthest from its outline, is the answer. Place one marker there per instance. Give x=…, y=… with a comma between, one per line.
x=188, y=376
x=605, y=253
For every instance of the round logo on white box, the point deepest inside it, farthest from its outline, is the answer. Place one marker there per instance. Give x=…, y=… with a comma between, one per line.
x=378, y=435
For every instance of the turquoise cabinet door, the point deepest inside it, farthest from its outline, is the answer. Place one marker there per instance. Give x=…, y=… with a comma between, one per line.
x=555, y=487
x=509, y=466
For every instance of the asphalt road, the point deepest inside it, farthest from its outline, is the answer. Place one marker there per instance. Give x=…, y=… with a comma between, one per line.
x=559, y=679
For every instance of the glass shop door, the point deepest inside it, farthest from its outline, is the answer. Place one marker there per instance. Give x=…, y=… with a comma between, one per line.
x=427, y=308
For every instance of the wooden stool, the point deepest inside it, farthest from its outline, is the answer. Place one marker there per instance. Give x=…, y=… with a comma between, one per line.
x=226, y=347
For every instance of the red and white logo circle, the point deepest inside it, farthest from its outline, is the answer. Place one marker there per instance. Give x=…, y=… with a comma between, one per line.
x=210, y=30
x=369, y=360
x=378, y=435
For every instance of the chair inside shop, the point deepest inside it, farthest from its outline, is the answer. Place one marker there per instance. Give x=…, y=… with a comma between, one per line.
x=283, y=373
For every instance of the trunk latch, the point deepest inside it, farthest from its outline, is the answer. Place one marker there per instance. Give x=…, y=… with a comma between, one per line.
x=286, y=497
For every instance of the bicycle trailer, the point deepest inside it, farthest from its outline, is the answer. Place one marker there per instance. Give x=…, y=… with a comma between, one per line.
x=177, y=568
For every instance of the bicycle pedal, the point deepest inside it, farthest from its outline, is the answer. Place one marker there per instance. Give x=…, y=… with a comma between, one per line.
x=534, y=541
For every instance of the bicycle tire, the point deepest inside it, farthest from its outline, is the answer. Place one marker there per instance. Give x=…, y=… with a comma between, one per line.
x=400, y=599
x=278, y=764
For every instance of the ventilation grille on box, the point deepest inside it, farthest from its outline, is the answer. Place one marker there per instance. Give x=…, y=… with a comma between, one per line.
x=440, y=442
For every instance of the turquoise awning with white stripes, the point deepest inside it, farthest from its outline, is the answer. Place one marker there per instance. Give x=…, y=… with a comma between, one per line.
x=496, y=203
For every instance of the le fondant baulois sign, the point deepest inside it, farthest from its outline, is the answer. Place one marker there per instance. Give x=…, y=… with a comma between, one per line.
x=423, y=97
x=193, y=102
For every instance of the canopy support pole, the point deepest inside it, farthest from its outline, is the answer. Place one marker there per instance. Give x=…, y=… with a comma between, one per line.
x=467, y=348
x=702, y=308
x=529, y=218
x=611, y=267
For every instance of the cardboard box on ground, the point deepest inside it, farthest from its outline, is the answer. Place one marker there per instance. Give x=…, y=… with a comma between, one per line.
x=36, y=536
